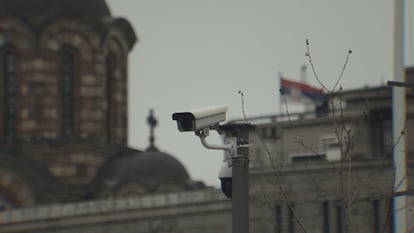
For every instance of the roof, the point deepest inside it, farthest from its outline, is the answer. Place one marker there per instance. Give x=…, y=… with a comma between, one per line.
x=35, y=176
x=150, y=168
x=38, y=10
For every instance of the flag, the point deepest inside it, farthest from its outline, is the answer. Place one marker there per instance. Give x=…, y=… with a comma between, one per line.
x=301, y=92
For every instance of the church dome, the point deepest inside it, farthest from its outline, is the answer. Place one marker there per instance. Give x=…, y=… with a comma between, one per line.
x=152, y=168
x=151, y=171
x=38, y=10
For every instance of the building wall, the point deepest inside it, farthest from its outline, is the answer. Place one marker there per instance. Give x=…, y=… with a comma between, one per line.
x=312, y=190
x=63, y=99
x=189, y=212
x=317, y=192
x=310, y=194
x=39, y=75
x=363, y=129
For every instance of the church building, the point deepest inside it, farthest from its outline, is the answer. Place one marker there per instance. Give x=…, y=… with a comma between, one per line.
x=63, y=101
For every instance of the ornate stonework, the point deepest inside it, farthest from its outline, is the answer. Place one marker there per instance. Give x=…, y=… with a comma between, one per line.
x=63, y=124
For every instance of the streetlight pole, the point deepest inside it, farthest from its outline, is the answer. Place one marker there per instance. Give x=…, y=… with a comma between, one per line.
x=240, y=199
x=240, y=176
x=237, y=136
x=400, y=199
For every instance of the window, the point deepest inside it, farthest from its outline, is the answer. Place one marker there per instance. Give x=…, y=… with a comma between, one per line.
x=340, y=219
x=326, y=218
x=268, y=132
x=278, y=218
x=381, y=130
x=110, y=67
x=5, y=203
x=292, y=218
x=9, y=95
x=377, y=228
x=329, y=142
x=390, y=215
x=387, y=140
x=67, y=91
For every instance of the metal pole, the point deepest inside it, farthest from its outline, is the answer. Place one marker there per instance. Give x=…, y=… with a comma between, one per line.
x=400, y=212
x=240, y=176
x=240, y=194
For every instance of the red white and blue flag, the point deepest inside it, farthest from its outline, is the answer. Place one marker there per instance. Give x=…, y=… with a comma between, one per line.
x=300, y=92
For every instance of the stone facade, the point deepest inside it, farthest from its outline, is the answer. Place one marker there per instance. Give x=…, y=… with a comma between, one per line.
x=63, y=124
x=98, y=69
x=313, y=197
x=200, y=211
x=64, y=92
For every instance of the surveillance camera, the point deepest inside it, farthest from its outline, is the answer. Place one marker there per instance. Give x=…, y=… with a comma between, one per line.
x=199, y=119
x=225, y=176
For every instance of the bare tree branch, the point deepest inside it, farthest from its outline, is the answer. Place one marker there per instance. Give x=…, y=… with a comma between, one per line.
x=308, y=54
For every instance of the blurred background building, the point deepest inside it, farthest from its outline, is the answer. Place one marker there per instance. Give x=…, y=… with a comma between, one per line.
x=65, y=165
x=331, y=168
x=64, y=108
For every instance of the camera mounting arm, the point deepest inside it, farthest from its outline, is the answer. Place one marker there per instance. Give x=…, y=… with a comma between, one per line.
x=230, y=146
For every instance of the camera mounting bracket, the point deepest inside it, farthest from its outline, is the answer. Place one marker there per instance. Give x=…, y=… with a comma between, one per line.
x=230, y=145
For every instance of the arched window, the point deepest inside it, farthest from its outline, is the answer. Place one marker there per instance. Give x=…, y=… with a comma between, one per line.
x=110, y=70
x=67, y=91
x=4, y=203
x=9, y=60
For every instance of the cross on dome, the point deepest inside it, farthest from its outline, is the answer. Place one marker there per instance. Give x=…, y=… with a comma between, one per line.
x=152, y=122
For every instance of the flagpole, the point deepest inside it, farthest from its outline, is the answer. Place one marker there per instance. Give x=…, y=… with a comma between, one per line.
x=281, y=94
x=303, y=74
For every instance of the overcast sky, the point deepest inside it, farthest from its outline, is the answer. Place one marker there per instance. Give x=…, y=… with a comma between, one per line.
x=194, y=53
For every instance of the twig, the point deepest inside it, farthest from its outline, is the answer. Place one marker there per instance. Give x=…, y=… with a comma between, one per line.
x=343, y=70
x=308, y=54
x=242, y=102
x=284, y=194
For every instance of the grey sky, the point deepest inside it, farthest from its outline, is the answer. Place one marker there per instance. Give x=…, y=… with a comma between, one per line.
x=195, y=53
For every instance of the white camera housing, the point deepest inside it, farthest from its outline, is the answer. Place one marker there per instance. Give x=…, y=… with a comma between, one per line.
x=199, y=119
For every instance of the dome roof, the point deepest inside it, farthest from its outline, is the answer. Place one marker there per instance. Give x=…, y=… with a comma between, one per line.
x=28, y=177
x=152, y=171
x=37, y=10
x=152, y=168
